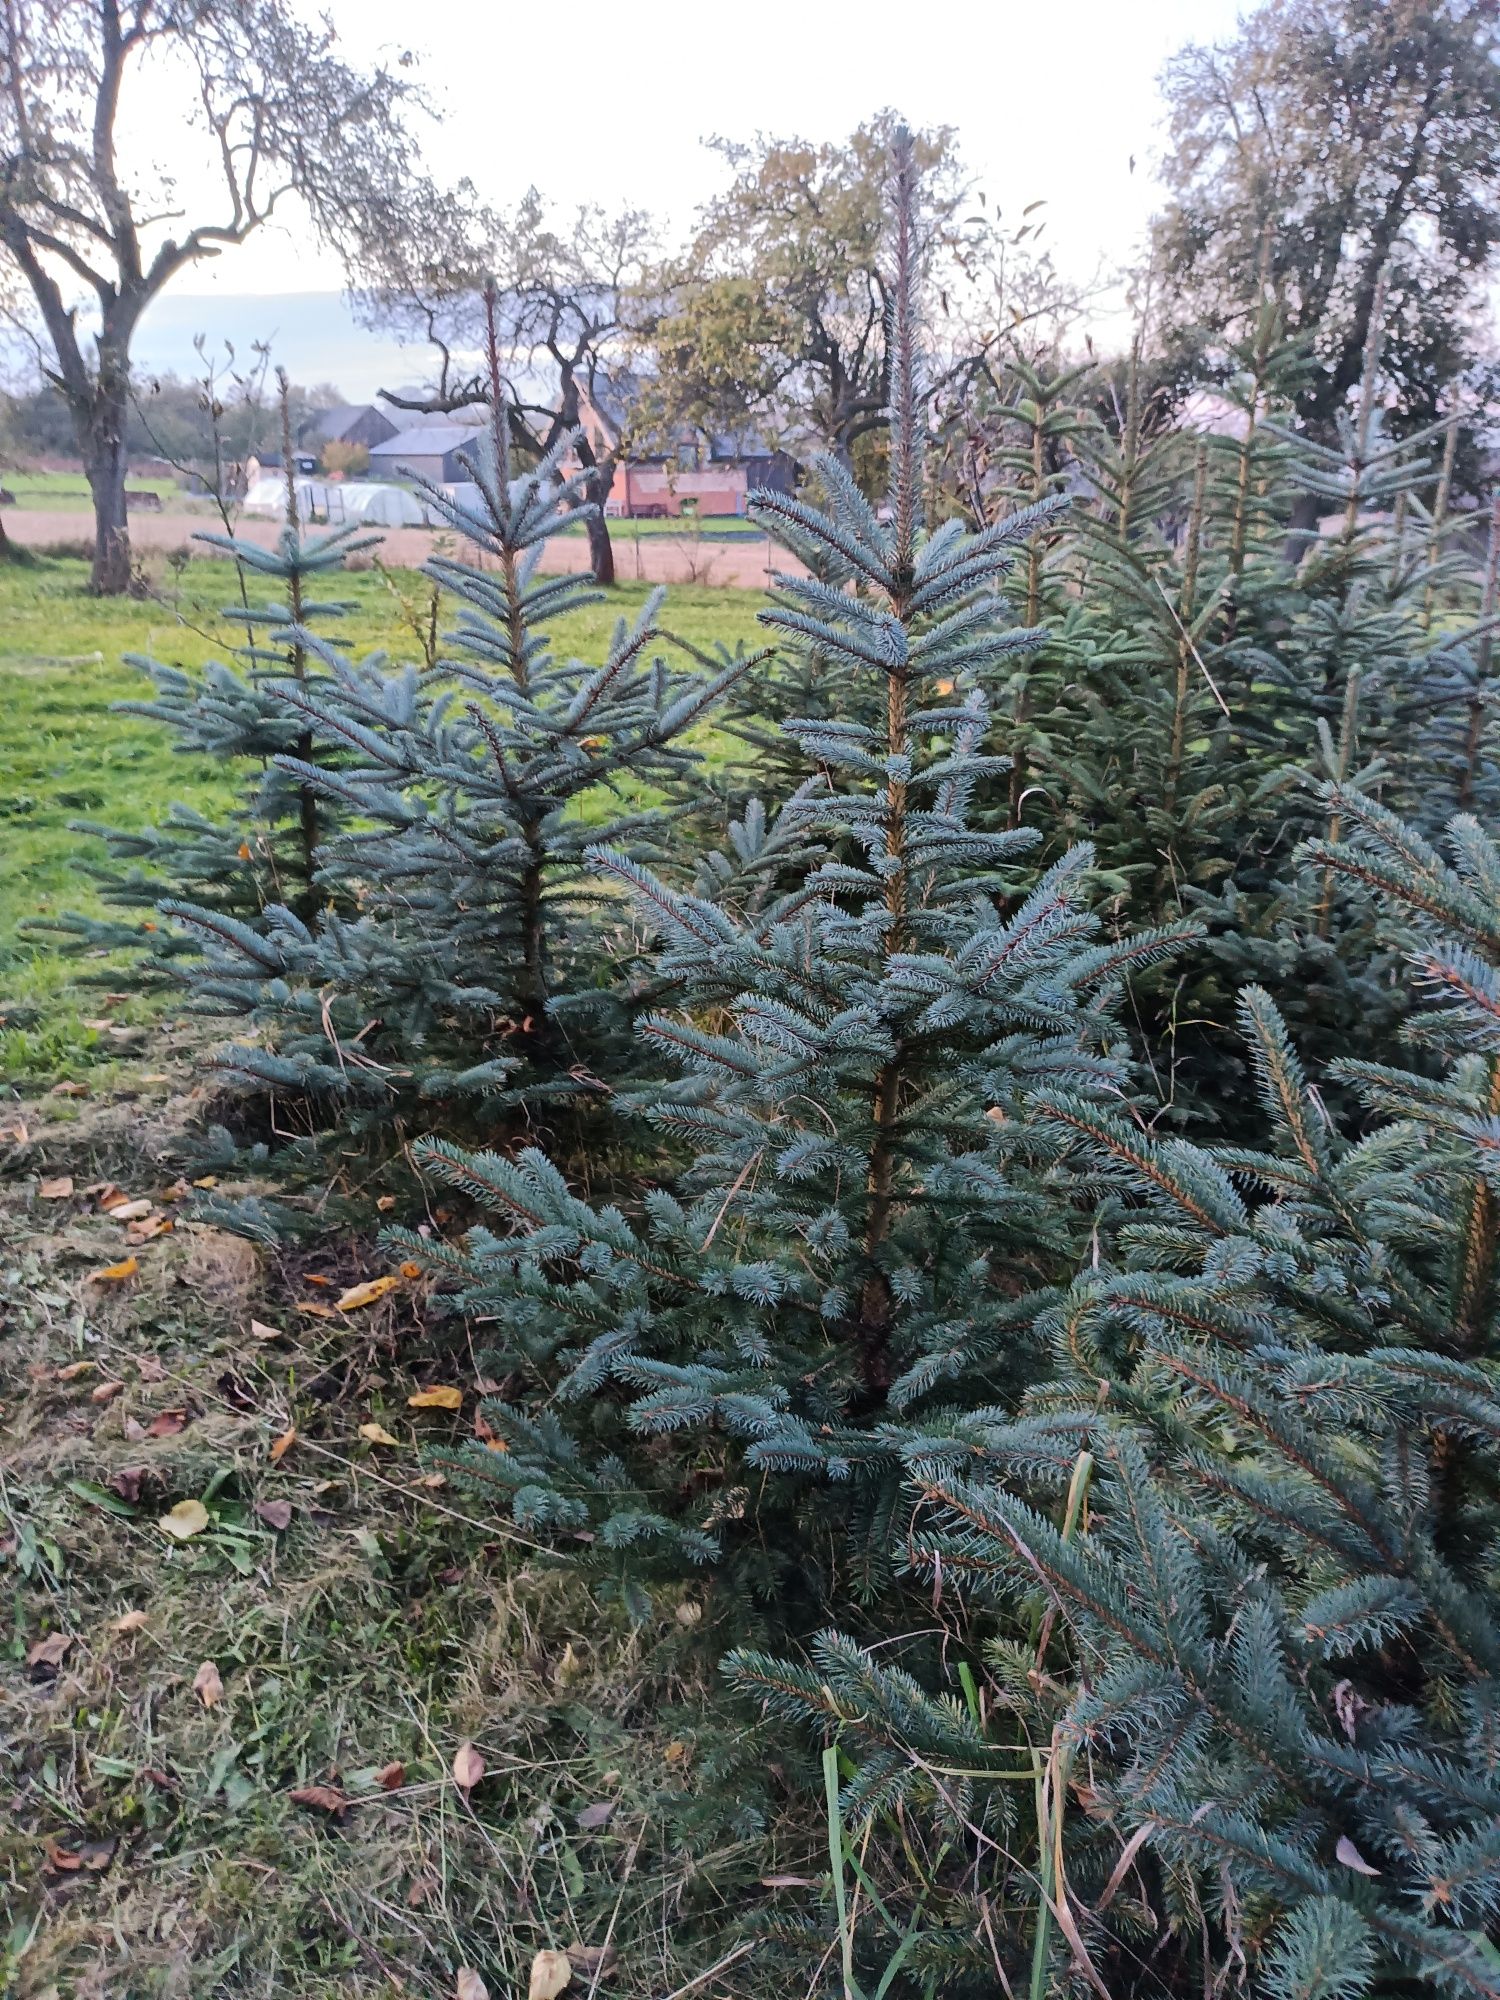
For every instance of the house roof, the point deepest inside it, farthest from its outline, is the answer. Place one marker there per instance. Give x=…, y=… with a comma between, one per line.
x=427, y=441
x=326, y=424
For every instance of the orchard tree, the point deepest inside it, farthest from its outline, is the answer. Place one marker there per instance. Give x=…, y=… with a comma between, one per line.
x=94, y=233
x=774, y=317
x=566, y=299
x=1353, y=137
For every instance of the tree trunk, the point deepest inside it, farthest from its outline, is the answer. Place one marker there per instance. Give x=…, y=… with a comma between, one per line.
x=601, y=548
x=102, y=440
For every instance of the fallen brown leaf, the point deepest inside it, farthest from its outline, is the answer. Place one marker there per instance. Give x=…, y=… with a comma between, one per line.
x=69, y=1090
x=410, y=1270
x=314, y=1310
x=131, y=1211
x=51, y=1651
x=320, y=1798
x=127, y=1482
x=152, y=1227
x=276, y=1514
x=550, y=1973
x=150, y=1368
x=468, y=1767
x=591, y=1960
x=186, y=1519
x=283, y=1445
x=14, y=1131
x=440, y=1398
x=167, y=1423
x=368, y=1293
x=469, y=1986
x=106, y=1392
x=377, y=1434
x=391, y=1777
x=595, y=1816
x=57, y=1189
x=129, y=1621
x=73, y=1369
x=385, y=1203
x=208, y=1684
x=134, y=1429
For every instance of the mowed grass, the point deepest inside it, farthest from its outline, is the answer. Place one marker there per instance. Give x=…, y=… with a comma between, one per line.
x=66, y=756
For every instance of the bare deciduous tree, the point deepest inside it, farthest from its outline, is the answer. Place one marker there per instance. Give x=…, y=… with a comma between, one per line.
x=568, y=301
x=281, y=113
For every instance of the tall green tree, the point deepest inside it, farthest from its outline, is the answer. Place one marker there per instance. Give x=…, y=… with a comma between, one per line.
x=1358, y=137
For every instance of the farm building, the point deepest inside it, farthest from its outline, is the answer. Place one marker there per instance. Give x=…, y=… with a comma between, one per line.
x=430, y=450
x=347, y=423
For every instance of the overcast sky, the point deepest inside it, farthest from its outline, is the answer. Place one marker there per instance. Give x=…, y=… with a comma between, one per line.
x=1051, y=103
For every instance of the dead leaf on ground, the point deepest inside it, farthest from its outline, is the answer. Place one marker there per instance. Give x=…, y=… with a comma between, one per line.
x=134, y=1430
x=208, y=1684
x=391, y=1777
x=14, y=1131
x=264, y=1332
x=283, y=1445
x=469, y=1985
x=320, y=1798
x=318, y=1278
x=69, y=1090
x=109, y=1195
x=186, y=1519
x=377, y=1434
x=550, y=1973
x=129, y=1621
x=106, y=1392
x=276, y=1514
x=150, y=1229
x=468, y=1768
x=131, y=1211
x=150, y=1368
x=440, y=1398
x=57, y=1189
x=410, y=1270
x=51, y=1651
x=207, y=1181
x=127, y=1482
x=73, y=1369
x=167, y=1423
x=595, y=1816
x=385, y=1203
x=314, y=1310
x=787, y=1882
x=90, y=1856
x=368, y=1293
x=115, y=1273
x=591, y=1961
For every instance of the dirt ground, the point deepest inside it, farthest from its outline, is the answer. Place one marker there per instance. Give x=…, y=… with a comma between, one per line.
x=742, y=565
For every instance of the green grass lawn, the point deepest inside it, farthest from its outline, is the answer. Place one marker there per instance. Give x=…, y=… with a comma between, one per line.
x=68, y=492
x=65, y=756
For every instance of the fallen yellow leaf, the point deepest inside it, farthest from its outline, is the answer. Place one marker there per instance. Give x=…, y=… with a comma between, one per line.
x=186, y=1519
x=126, y=1268
x=367, y=1294
x=410, y=1270
x=71, y=1370
x=208, y=1181
x=377, y=1434
x=441, y=1398
x=283, y=1445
